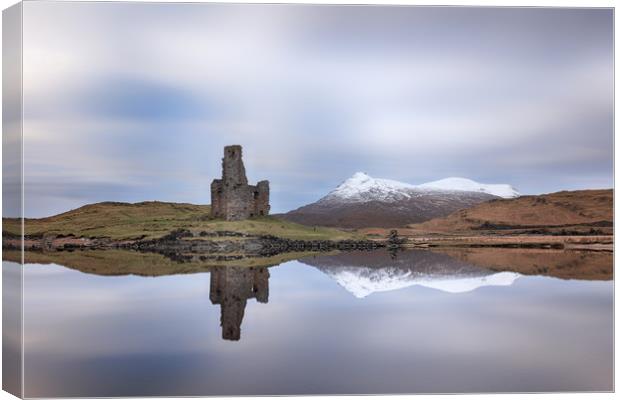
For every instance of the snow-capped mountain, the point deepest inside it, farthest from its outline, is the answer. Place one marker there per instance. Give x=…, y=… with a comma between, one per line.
x=362, y=187
x=363, y=273
x=364, y=201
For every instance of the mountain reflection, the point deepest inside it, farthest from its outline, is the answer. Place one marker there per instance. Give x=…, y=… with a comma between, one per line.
x=364, y=273
x=456, y=270
x=231, y=287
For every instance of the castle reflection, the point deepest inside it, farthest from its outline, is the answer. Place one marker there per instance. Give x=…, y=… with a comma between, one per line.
x=231, y=287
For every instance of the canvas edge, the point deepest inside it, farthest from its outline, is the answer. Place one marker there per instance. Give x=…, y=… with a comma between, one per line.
x=12, y=196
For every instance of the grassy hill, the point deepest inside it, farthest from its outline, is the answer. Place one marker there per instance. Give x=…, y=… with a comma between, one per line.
x=562, y=209
x=154, y=219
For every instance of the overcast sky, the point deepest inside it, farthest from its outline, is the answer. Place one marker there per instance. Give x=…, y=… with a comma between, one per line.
x=135, y=101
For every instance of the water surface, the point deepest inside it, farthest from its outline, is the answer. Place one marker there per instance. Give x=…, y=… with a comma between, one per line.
x=412, y=322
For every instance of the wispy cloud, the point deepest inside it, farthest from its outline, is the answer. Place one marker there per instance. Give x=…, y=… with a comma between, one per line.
x=148, y=94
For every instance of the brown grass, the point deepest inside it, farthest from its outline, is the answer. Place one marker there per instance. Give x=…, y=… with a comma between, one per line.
x=556, y=209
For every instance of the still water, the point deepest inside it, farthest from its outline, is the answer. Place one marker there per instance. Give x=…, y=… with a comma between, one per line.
x=413, y=322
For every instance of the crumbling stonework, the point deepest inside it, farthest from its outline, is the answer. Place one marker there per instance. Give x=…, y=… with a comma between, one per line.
x=231, y=197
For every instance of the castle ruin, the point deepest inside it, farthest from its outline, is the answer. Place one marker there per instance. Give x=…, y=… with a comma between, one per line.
x=231, y=197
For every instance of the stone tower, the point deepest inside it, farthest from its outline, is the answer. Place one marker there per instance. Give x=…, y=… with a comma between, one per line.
x=231, y=197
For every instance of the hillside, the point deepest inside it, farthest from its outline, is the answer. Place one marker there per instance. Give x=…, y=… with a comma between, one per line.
x=585, y=208
x=151, y=220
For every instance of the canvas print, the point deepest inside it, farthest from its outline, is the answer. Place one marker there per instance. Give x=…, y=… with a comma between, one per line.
x=204, y=199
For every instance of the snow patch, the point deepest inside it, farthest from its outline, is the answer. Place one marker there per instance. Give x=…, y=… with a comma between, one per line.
x=468, y=185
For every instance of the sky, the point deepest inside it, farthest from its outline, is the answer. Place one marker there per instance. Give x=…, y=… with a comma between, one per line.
x=135, y=101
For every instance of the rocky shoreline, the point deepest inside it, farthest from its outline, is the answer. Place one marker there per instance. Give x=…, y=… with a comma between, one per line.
x=183, y=241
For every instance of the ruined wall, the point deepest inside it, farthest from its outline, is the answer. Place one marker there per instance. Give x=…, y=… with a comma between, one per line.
x=231, y=197
x=216, y=197
x=261, y=198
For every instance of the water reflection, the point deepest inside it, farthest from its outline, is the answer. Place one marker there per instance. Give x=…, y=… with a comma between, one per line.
x=473, y=320
x=362, y=273
x=234, y=281
x=563, y=264
x=231, y=287
x=444, y=262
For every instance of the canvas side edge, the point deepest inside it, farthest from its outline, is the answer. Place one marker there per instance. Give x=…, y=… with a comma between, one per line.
x=12, y=197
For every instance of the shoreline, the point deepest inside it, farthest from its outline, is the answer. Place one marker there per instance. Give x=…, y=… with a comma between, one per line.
x=225, y=242
x=184, y=241
x=593, y=243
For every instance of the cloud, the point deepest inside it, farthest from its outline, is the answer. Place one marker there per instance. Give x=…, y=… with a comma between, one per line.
x=150, y=93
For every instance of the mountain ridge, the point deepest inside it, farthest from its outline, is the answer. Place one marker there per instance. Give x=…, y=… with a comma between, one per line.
x=363, y=201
